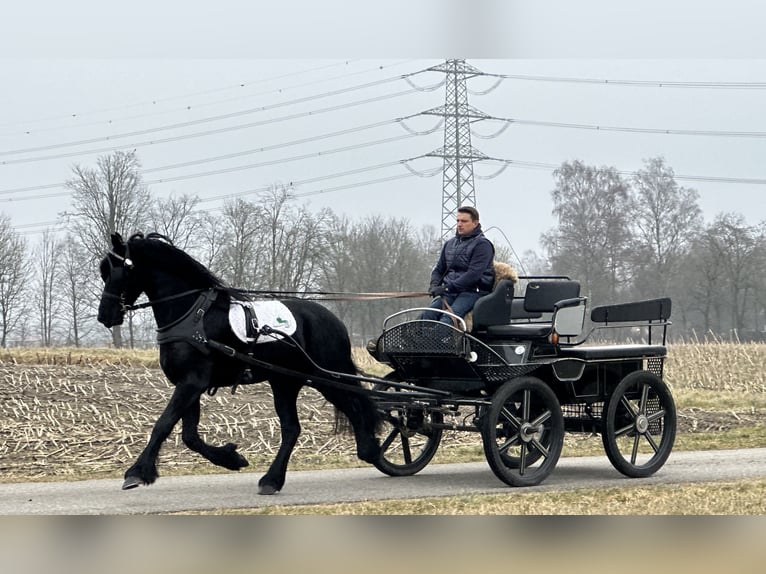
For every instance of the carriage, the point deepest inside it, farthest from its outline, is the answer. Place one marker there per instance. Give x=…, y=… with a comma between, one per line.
x=524, y=371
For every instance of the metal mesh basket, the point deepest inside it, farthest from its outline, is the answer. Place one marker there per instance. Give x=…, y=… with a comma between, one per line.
x=423, y=338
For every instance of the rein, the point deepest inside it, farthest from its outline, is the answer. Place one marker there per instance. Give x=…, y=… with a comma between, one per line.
x=333, y=295
x=307, y=295
x=134, y=307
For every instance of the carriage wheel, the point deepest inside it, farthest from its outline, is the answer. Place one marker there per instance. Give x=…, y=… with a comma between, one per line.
x=408, y=439
x=639, y=424
x=523, y=432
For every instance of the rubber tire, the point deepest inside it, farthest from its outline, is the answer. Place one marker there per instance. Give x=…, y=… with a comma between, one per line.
x=541, y=401
x=654, y=386
x=397, y=435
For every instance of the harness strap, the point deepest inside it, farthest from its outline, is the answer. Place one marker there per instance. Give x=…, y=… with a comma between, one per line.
x=189, y=327
x=319, y=382
x=161, y=300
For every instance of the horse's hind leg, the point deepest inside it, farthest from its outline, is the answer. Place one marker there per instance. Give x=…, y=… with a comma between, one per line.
x=225, y=456
x=285, y=403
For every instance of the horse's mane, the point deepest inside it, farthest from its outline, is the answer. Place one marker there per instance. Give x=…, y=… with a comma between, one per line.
x=159, y=250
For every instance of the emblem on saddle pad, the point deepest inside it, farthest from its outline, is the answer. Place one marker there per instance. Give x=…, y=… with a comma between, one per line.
x=246, y=318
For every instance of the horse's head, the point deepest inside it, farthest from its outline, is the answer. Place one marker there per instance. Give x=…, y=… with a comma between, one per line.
x=120, y=285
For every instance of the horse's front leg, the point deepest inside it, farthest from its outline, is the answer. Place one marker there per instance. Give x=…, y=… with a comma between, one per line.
x=225, y=456
x=144, y=470
x=285, y=403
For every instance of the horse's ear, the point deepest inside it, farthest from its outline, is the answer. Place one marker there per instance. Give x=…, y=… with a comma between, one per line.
x=117, y=240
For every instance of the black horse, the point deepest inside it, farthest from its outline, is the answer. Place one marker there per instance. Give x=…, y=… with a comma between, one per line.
x=191, y=307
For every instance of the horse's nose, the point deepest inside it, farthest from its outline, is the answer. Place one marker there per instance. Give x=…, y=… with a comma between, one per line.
x=108, y=316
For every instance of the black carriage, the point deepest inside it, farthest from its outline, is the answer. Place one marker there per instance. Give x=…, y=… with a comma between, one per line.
x=526, y=371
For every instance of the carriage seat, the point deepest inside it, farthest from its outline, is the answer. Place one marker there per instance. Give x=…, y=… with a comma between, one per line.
x=495, y=308
x=540, y=297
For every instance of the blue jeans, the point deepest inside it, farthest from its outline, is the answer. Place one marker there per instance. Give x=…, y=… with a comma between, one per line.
x=460, y=303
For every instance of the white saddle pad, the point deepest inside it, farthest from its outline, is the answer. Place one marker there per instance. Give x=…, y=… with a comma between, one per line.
x=272, y=313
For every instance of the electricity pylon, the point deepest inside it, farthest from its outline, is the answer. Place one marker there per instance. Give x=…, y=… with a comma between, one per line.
x=458, y=154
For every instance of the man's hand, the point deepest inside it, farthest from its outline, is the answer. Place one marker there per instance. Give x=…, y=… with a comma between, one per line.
x=437, y=290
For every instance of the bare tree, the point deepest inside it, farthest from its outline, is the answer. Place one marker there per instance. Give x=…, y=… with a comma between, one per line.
x=177, y=218
x=47, y=262
x=371, y=256
x=593, y=233
x=79, y=287
x=698, y=292
x=242, y=255
x=211, y=242
x=737, y=246
x=295, y=242
x=110, y=198
x=666, y=218
x=14, y=275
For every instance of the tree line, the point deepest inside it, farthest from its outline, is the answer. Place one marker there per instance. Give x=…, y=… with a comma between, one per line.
x=622, y=239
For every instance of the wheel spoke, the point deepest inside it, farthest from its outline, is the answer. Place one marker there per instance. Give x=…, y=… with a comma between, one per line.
x=389, y=439
x=508, y=444
x=511, y=417
x=652, y=442
x=644, y=399
x=541, y=448
x=634, y=454
x=406, y=449
x=624, y=430
x=628, y=406
x=526, y=404
x=654, y=416
x=523, y=459
x=541, y=419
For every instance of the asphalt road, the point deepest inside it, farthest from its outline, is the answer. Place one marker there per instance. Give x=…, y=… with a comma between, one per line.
x=239, y=490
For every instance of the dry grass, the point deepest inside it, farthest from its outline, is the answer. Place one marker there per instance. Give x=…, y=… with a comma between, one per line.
x=723, y=498
x=77, y=413
x=92, y=420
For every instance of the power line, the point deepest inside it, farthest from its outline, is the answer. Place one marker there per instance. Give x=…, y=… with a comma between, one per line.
x=664, y=131
x=639, y=83
x=412, y=173
x=703, y=178
x=28, y=226
x=245, y=152
x=156, y=101
x=228, y=170
x=210, y=119
x=196, y=106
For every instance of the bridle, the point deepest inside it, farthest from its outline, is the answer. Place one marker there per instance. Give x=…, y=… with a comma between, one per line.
x=125, y=269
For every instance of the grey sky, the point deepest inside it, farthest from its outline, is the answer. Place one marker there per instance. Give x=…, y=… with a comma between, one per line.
x=91, y=70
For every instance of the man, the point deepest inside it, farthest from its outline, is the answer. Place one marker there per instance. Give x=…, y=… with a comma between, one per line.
x=464, y=271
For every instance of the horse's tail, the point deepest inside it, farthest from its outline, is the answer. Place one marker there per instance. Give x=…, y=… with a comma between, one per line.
x=342, y=425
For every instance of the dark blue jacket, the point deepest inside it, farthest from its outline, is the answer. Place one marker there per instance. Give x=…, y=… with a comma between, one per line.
x=465, y=264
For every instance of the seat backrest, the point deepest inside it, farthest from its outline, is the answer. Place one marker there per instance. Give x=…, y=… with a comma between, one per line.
x=495, y=308
x=518, y=311
x=649, y=310
x=541, y=296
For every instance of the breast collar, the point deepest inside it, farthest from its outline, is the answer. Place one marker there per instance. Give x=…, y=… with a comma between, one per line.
x=190, y=326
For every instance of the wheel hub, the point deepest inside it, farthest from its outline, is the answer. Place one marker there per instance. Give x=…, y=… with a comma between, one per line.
x=528, y=432
x=642, y=424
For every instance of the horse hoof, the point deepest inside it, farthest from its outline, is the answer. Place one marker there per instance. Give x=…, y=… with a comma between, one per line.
x=267, y=489
x=132, y=482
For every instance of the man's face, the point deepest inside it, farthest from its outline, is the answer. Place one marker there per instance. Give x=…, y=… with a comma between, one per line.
x=465, y=224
